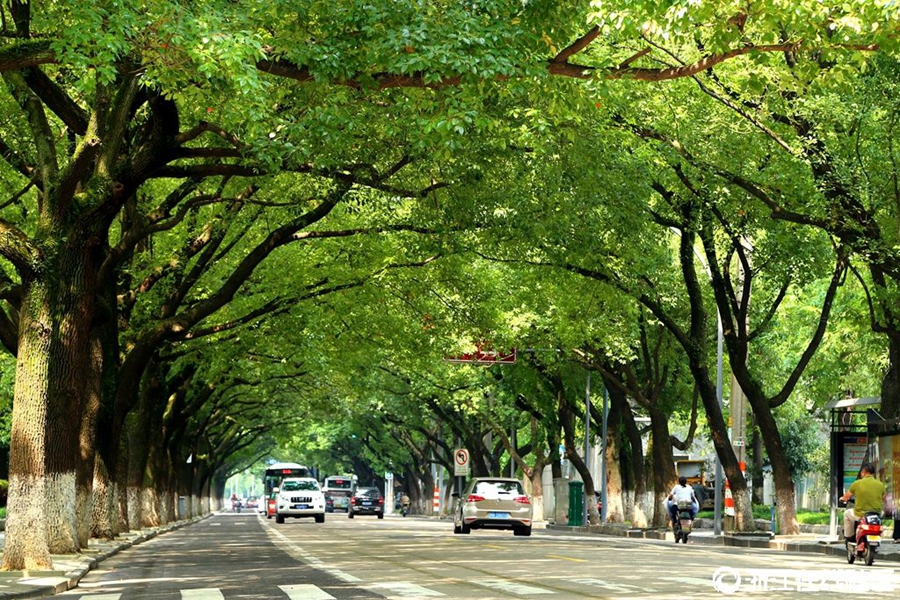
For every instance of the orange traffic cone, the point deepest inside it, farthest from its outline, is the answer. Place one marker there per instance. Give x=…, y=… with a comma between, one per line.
x=729, y=501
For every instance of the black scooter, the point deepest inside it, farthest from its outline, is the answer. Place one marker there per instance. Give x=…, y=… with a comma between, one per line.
x=681, y=527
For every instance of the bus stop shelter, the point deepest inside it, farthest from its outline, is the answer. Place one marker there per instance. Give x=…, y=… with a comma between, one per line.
x=859, y=434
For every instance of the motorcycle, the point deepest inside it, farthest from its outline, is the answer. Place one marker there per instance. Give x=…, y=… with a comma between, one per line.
x=682, y=525
x=867, y=539
x=404, y=509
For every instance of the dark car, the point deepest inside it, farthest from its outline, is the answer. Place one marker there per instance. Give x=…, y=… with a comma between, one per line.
x=366, y=501
x=329, y=503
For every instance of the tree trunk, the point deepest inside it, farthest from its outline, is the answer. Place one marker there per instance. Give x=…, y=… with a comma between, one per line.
x=51, y=367
x=121, y=489
x=87, y=443
x=781, y=471
x=664, y=474
x=138, y=433
x=890, y=384
x=757, y=475
x=106, y=522
x=633, y=456
x=616, y=511
x=743, y=509
x=535, y=477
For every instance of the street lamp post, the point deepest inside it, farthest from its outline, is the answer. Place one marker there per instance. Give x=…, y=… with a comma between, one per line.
x=603, y=498
x=587, y=442
x=717, y=509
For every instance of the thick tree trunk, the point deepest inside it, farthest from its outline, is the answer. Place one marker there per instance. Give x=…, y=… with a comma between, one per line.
x=616, y=510
x=618, y=469
x=121, y=487
x=51, y=367
x=632, y=456
x=87, y=443
x=107, y=520
x=757, y=475
x=890, y=384
x=537, y=494
x=664, y=474
x=781, y=471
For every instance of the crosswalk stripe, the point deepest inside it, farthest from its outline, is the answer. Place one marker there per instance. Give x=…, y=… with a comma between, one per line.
x=202, y=594
x=608, y=586
x=305, y=592
x=512, y=587
x=690, y=580
x=103, y=596
x=403, y=589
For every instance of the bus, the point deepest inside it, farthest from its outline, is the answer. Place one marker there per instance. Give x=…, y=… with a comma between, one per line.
x=340, y=488
x=273, y=476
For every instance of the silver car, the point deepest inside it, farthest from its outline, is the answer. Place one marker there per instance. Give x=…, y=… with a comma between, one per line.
x=493, y=503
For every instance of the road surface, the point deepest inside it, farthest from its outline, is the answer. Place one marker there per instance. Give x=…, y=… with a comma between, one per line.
x=242, y=556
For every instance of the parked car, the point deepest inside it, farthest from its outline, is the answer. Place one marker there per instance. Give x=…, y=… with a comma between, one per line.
x=300, y=497
x=493, y=503
x=366, y=501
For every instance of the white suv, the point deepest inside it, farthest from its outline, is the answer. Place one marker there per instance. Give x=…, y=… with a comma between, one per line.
x=300, y=497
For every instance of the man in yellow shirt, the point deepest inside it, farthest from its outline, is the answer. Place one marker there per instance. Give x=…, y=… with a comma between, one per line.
x=869, y=493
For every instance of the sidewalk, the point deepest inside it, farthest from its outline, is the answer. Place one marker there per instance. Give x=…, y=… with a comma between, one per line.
x=804, y=542
x=70, y=568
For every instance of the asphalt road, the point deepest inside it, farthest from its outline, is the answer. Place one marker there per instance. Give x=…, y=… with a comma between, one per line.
x=242, y=556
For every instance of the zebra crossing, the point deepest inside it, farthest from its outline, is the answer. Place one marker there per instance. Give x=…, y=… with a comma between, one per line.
x=292, y=592
x=407, y=589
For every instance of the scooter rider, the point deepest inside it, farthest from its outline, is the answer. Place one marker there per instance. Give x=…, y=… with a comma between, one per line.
x=404, y=504
x=682, y=493
x=869, y=493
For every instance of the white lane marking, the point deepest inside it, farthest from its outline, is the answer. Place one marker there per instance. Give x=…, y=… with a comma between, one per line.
x=403, y=589
x=512, y=587
x=103, y=596
x=298, y=553
x=341, y=575
x=606, y=585
x=689, y=580
x=215, y=524
x=305, y=592
x=202, y=594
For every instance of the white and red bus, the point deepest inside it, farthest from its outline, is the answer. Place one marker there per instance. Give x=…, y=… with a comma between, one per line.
x=273, y=476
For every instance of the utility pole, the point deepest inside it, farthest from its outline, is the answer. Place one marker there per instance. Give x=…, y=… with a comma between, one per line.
x=603, y=498
x=587, y=443
x=512, y=442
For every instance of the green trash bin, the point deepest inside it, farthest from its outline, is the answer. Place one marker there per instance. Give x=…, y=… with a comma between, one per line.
x=576, y=503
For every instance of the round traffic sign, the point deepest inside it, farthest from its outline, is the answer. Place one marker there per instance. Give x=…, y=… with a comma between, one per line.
x=462, y=457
